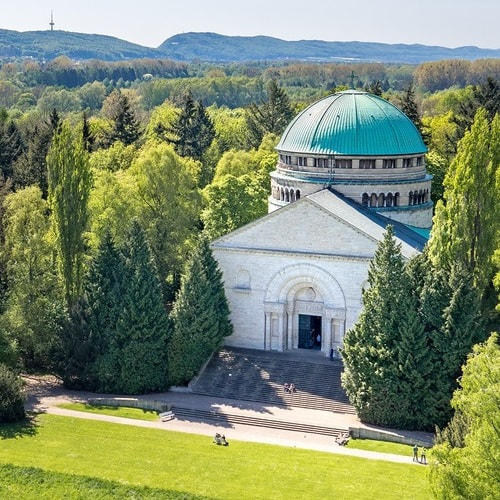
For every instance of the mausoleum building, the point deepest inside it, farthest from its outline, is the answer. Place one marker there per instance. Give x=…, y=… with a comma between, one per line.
x=349, y=165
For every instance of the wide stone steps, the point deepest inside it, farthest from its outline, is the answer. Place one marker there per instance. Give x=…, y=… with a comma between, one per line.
x=254, y=376
x=224, y=418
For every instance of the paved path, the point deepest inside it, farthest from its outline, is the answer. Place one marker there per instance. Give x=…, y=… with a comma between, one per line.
x=45, y=395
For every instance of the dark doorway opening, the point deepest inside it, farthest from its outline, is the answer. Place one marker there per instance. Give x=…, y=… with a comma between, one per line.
x=309, y=332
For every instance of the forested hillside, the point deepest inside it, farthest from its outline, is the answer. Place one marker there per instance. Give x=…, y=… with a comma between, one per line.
x=212, y=47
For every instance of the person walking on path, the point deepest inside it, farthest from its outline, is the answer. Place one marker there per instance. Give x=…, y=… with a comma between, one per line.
x=415, y=453
x=423, y=459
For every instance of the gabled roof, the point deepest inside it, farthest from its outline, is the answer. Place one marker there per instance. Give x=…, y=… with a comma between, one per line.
x=323, y=223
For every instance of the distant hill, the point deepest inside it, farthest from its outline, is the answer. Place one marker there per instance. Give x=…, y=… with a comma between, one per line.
x=221, y=48
x=213, y=47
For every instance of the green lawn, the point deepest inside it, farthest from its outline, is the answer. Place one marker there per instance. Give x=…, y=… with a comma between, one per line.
x=78, y=454
x=381, y=446
x=116, y=411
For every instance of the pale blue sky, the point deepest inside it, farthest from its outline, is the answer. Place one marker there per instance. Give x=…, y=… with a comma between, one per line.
x=450, y=23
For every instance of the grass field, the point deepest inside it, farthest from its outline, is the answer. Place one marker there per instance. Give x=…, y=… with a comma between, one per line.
x=116, y=411
x=139, y=414
x=65, y=457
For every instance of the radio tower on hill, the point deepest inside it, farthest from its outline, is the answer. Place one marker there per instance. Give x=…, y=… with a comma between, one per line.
x=51, y=21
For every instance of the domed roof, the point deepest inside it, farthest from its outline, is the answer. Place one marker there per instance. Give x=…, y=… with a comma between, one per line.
x=352, y=123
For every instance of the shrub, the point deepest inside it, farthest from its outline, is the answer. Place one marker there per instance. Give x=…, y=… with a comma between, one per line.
x=11, y=396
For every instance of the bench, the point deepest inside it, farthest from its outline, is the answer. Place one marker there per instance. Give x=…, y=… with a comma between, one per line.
x=166, y=416
x=343, y=439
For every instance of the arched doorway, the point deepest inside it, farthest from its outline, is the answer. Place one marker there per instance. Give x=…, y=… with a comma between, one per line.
x=304, y=309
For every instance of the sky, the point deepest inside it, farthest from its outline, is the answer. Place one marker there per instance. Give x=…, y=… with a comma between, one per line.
x=449, y=23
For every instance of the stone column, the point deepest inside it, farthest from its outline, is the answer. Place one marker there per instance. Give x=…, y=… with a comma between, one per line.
x=267, y=332
x=290, y=331
x=281, y=331
x=327, y=336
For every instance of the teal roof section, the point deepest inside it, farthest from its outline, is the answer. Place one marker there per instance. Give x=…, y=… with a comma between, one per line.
x=352, y=123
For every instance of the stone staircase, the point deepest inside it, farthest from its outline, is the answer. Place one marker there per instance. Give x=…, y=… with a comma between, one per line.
x=252, y=375
x=196, y=415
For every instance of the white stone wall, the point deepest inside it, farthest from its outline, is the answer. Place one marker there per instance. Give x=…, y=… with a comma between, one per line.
x=247, y=305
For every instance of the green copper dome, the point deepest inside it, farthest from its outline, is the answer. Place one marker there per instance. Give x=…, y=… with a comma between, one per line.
x=352, y=123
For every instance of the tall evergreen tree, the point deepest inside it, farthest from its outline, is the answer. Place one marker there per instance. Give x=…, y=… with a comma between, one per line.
x=466, y=227
x=271, y=116
x=200, y=315
x=126, y=127
x=142, y=327
x=69, y=188
x=409, y=107
x=103, y=299
x=11, y=147
x=386, y=362
x=193, y=130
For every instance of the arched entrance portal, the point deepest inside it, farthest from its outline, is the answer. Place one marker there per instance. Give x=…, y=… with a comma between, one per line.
x=304, y=308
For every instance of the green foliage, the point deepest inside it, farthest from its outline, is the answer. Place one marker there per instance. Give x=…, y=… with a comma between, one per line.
x=271, y=116
x=165, y=198
x=124, y=323
x=386, y=363
x=478, y=400
x=69, y=188
x=466, y=227
x=11, y=399
x=126, y=126
x=35, y=309
x=193, y=131
x=200, y=315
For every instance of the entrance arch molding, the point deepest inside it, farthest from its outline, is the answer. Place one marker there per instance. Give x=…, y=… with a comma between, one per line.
x=284, y=285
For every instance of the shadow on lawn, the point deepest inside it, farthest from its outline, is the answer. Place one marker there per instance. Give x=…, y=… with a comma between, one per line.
x=23, y=428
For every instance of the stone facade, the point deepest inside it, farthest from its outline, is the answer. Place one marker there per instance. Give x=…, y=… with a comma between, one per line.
x=300, y=267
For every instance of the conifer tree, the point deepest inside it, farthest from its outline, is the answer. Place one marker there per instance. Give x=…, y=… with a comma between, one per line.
x=104, y=290
x=126, y=128
x=193, y=131
x=200, y=315
x=386, y=362
x=271, y=116
x=142, y=328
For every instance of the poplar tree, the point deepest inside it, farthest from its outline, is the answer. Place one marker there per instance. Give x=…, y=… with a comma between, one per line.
x=466, y=226
x=200, y=315
x=69, y=187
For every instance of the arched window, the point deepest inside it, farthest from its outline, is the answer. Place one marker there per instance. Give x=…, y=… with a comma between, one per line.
x=364, y=199
x=396, y=199
x=287, y=195
x=297, y=194
x=282, y=194
x=292, y=195
x=388, y=200
x=373, y=200
x=381, y=200
x=410, y=198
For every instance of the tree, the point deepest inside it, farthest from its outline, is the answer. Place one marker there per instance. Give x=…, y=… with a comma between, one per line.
x=11, y=147
x=126, y=126
x=409, y=107
x=35, y=309
x=478, y=400
x=200, y=315
x=69, y=188
x=466, y=226
x=193, y=131
x=12, y=400
x=272, y=116
x=167, y=203
x=142, y=330
x=386, y=363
